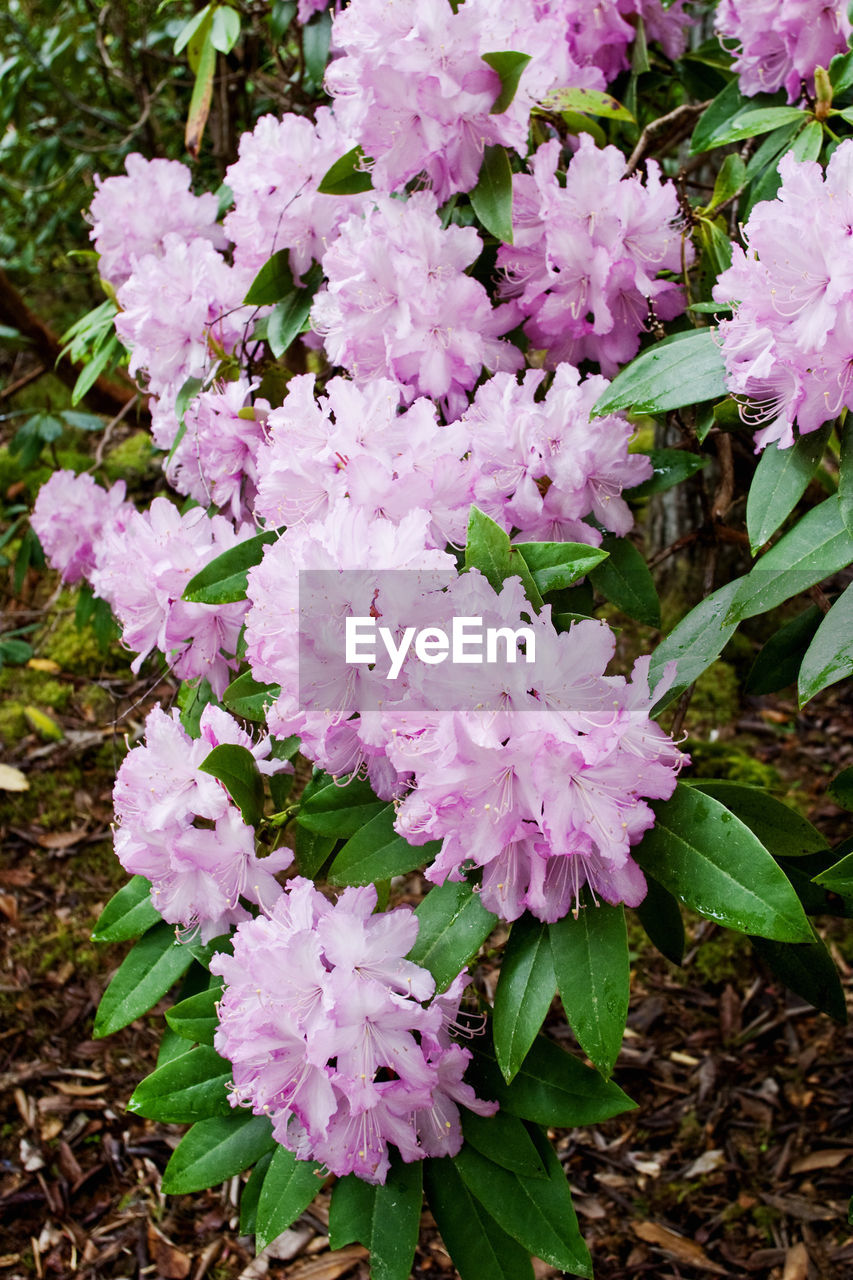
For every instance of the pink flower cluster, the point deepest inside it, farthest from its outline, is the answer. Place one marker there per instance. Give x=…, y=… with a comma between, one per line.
x=72, y=516
x=412, y=87
x=399, y=305
x=329, y=1033
x=179, y=828
x=131, y=216
x=542, y=463
x=779, y=43
x=788, y=346
x=600, y=34
x=216, y=459
x=276, y=202
x=587, y=257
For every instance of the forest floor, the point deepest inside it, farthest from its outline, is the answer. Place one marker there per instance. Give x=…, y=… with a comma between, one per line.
x=737, y=1162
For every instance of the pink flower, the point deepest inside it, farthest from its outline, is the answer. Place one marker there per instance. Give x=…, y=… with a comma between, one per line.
x=216, y=460
x=71, y=516
x=779, y=43
x=600, y=34
x=322, y=1019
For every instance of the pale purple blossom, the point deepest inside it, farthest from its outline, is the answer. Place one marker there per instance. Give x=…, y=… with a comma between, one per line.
x=179, y=828
x=587, y=259
x=399, y=305
x=215, y=461
x=600, y=34
x=325, y=1024
x=71, y=516
x=788, y=345
x=779, y=43
x=131, y=216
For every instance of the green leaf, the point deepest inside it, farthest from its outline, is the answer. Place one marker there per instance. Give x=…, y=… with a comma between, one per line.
x=593, y=974
x=196, y=1018
x=347, y=177
x=215, y=1150
x=289, y=320
x=780, y=480
x=452, y=926
x=669, y=468
x=491, y=199
x=839, y=877
x=503, y=1139
x=127, y=914
x=845, y=474
x=778, y=663
x=536, y=1212
x=716, y=118
x=829, y=657
x=684, y=369
x=713, y=863
x=186, y=33
x=225, y=28
x=273, y=282
x=237, y=769
x=191, y=1087
x=695, y=643
x=289, y=1187
x=808, y=142
x=316, y=40
x=311, y=850
x=526, y=987
x=660, y=916
x=817, y=546
x=224, y=579
x=488, y=549
x=552, y=1088
x=202, y=95
x=339, y=808
x=590, y=101
x=251, y=1192
x=148, y=971
x=386, y=1219
x=780, y=829
x=377, y=852
x=808, y=970
x=509, y=66
x=749, y=124
x=555, y=565
x=479, y=1248
x=840, y=790
x=730, y=180
x=624, y=579
x=246, y=698
x=716, y=245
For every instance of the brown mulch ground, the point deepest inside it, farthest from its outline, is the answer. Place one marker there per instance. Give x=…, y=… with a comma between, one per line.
x=738, y=1161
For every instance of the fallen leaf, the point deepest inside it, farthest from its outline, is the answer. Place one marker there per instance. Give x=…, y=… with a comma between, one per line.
x=44, y=725
x=9, y=907
x=44, y=664
x=170, y=1261
x=706, y=1163
x=12, y=779
x=16, y=877
x=830, y=1158
x=679, y=1246
x=330, y=1265
x=796, y=1263
x=60, y=839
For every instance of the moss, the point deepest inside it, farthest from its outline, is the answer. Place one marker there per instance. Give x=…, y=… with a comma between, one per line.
x=36, y=687
x=716, y=698
x=134, y=459
x=73, y=649
x=723, y=957
x=733, y=763
x=50, y=800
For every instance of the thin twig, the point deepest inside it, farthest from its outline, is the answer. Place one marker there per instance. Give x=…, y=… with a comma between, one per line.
x=34, y=374
x=686, y=112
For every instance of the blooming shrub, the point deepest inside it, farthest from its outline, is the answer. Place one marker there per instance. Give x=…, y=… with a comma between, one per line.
x=406, y=386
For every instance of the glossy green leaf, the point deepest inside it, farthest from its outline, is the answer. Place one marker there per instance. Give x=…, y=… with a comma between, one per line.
x=246, y=698
x=452, y=926
x=251, y=1193
x=845, y=474
x=553, y=1087
x=224, y=579
x=347, y=176
x=377, y=852
x=215, y=1150
x=491, y=199
x=195, y=1018
x=750, y=124
x=808, y=142
x=780, y=480
x=717, y=118
x=187, y=32
x=237, y=769
x=840, y=790
x=590, y=101
x=684, y=369
x=289, y=1187
x=339, y=808
x=817, y=546
x=712, y=862
x=225, y=28
x=503, y=1139
x=479, y=1247
x=555, y=565
x=386, y=1219
x=624, y=579
x=148, y=971
x=778, y=663
x=839, y=877
x=808, y=970
x=127, y=914
x=536, y=1212
x=316, y=41
x=696, y=642
x=781, y=830
x=311, y=850
x=590, y=957
x=525, y=989
x=510, y=66
x=488, y=548
x=660, y=916
x=730, y=179
x=191, y=1087
x=716, y=245
x=829, y=657
x=669, y=468
x=273, y=282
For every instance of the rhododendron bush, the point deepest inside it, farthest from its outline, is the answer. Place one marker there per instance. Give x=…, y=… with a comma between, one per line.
x=405, y=374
